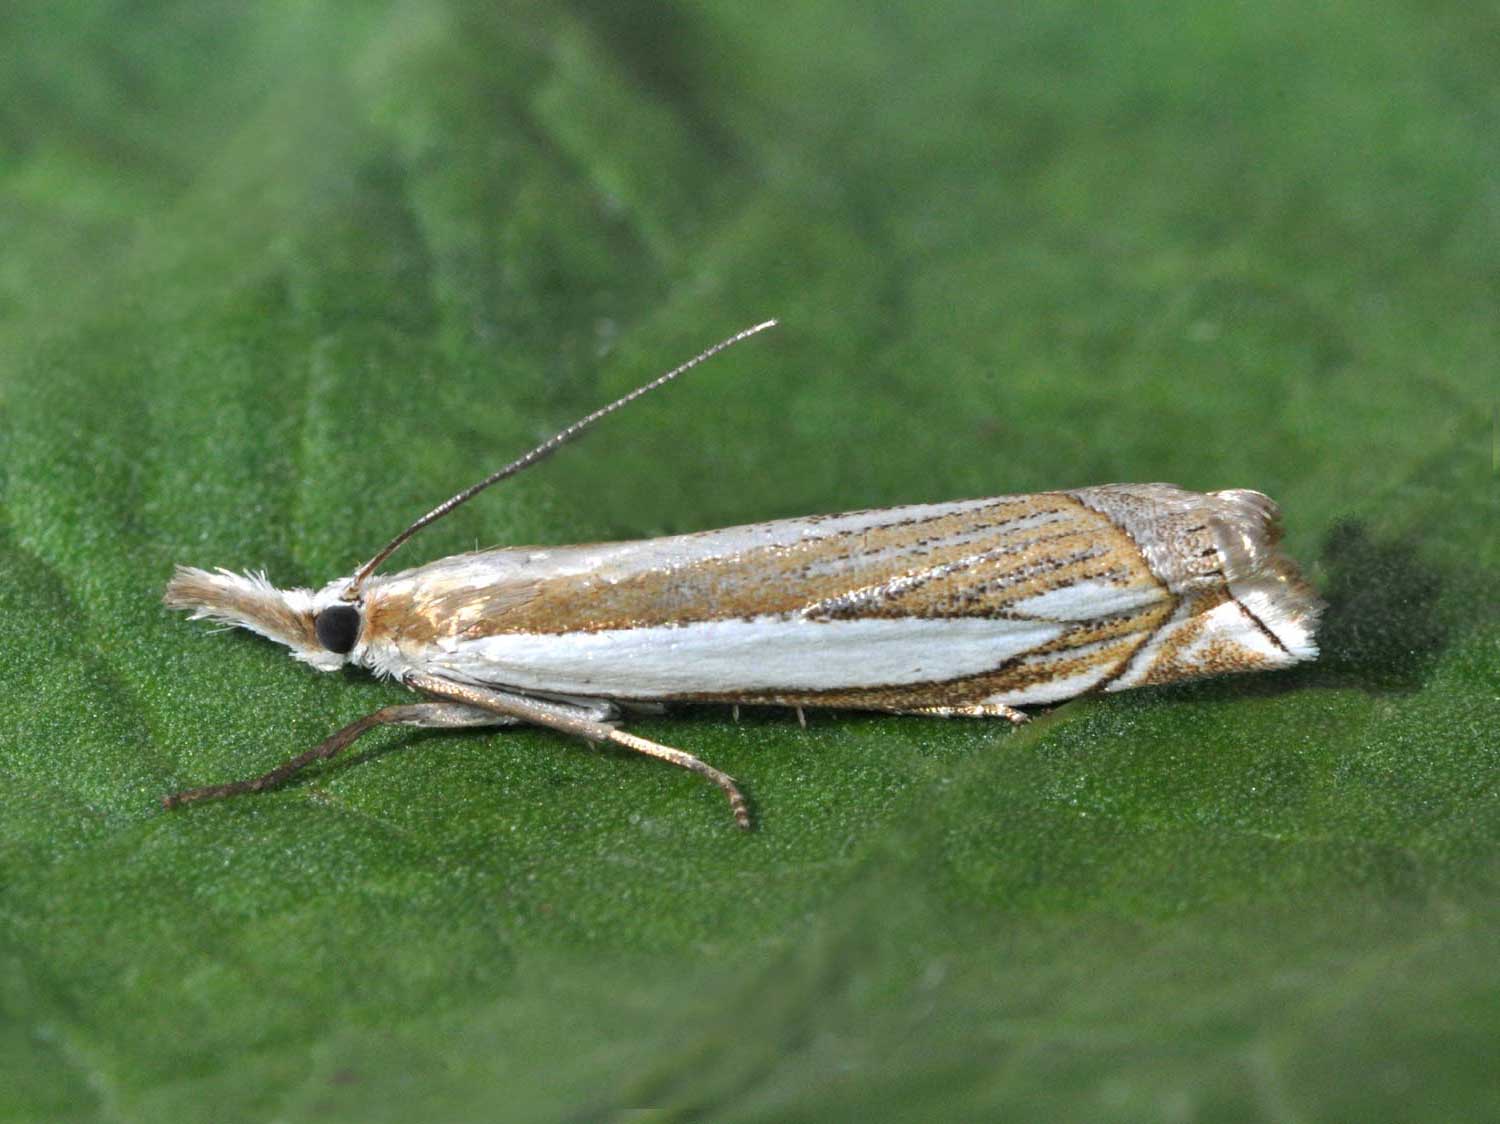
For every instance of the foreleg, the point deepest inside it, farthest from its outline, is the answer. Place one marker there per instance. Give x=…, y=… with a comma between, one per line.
x=571, y=720
x=440, y=715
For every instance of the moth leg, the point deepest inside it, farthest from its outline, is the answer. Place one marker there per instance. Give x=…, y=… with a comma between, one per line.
x=973, y=710
x=637, y=707
x=568, y=719
x=430, y=715
x=600, y=710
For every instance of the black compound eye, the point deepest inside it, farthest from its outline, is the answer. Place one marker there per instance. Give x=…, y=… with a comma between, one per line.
x=338, y=628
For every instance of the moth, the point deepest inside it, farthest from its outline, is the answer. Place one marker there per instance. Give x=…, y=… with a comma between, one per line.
x=972, y=608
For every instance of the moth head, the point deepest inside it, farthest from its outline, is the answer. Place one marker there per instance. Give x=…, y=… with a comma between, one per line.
x=320, y=628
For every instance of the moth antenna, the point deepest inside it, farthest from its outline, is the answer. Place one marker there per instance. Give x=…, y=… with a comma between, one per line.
x=545, y=449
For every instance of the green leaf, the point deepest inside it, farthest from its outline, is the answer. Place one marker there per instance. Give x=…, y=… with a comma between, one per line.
x=278, y=277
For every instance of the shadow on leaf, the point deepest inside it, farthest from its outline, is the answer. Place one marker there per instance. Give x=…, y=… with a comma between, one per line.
x=1381, y=626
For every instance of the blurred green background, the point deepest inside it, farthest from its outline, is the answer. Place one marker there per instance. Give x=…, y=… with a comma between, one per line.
x=276, y=277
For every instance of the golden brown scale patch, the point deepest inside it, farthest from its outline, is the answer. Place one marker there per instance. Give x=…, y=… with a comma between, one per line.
x=991, y=580
x=434, y=610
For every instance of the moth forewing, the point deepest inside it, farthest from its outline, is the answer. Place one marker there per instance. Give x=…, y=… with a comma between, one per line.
x=969, y=608
x=1012, y=600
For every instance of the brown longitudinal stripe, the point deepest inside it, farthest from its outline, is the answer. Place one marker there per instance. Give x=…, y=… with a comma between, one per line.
x=787, y=578
x=918, y=532
x=1144, y=620
x=982, y=584
x=913, y=548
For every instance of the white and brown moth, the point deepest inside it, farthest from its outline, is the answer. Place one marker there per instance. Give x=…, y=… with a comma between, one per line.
x=962, y=609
